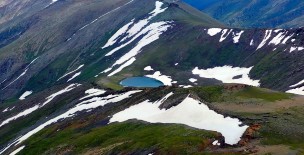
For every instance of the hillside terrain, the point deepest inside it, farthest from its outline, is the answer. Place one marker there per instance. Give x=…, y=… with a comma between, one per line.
x=225, y=90
x=52, y=49
x=254, y=14
x=90, y=117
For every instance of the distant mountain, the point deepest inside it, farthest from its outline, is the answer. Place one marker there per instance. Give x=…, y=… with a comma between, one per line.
x=254, y=14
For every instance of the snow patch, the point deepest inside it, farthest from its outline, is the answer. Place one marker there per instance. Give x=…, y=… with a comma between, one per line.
x=166, y=80
x=297, y=84
x=224, y=35
x=25, y=94
x=216, y=143
x=189, y=112
x=187, y=86
x=214, y=31
x=266, y=38
x=237, y=36
x=148, y=68
x=5, y=110
x=298, y=91
x=287, y=38
x=17, y=150
x=38, y=106
x=296, y=48
x=120, y=32
x=74, y=76
x=93, y=92
x=71, y=72
x=277, y=39
x=192, y=80
x=152, y=33
x=126, y=64
x=251, y=42
x=83, y=106
x=226, y=74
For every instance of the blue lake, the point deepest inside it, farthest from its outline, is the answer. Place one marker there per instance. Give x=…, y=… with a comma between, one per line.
x=141, y=82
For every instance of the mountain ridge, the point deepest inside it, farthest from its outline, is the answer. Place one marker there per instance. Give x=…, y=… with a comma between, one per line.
x=254, y=14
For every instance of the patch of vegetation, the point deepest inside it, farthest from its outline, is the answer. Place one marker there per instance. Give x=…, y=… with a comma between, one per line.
x=210, y=93
x=264, y=94
x=125, y=137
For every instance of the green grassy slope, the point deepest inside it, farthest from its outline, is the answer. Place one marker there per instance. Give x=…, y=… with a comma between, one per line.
x=88, y=132
x=128, y=137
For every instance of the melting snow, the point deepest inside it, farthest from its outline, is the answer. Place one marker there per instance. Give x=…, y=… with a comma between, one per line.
x=74, y=76
x=71, y=72
x=6, y=110
x=141, y=24
x=17, y=150
x=251, y=42
x=224, y=35
x=296, y=48
x=126, y=64
x=148, y=68
x=214, y=31
x=22, y=74
x=216, y=143
x=297, y=84
x=189, y=112
x=237, y=36
x=292, y=49
x=226, y=74
x=183, y=86
x=83, y=106
x=131, y=31
x=299, y=91
x=151, y=33
x=25, y=94
x=286, y=39
x=115, y=37
x=93, y=92
x=3, y=81
x=266, y=38
x=277, y=39
x=36, y=107
x=166, y=80
x=192, y=80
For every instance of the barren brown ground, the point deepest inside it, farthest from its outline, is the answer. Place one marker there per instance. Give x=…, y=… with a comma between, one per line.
x=260, y=107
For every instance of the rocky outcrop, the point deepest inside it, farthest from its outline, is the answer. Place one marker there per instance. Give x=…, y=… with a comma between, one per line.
x=250, y=133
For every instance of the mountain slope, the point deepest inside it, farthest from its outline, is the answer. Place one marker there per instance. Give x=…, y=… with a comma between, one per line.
x=61, y=64
x=254, y=14
x=52, y=37
x=51, y=48
x=86, y=115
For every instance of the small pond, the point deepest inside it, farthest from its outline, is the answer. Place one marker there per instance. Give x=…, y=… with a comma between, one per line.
x=141, y=82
